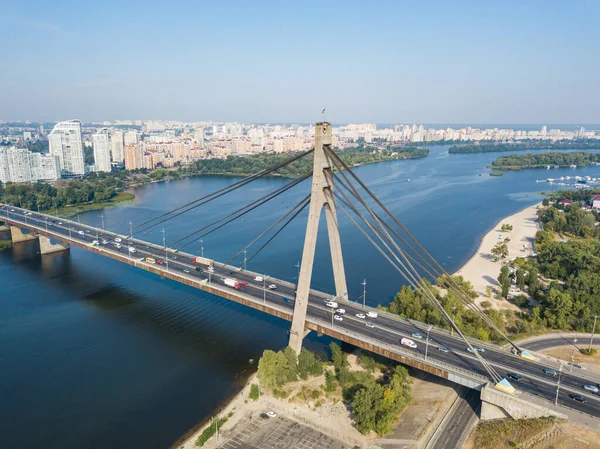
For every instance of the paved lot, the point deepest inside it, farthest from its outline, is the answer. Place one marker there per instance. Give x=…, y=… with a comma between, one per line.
x=277, y=433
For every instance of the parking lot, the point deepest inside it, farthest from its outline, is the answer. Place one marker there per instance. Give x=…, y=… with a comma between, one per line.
x=277, y=433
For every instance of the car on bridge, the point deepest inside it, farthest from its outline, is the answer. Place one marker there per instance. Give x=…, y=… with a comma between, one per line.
x=272, y=287
x=550, y=372
x=443, y=349
x=338, y=317
x=371, y=325
x=332, y=304
x=578, y=398
x=341, y=311
x=185, y=270
x=592, y=388
x=476, y=348
x=416, y=335
x=259, y=278
x=360, y=315
x=118, y=240
x=159, y=262
x=200, y=270
x=515, y=376
x=372, y=314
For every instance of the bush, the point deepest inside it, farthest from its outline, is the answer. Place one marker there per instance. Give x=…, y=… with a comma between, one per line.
x=254, y=392
x=521, y=301
x=211, y=430
x=486, y=304
x=589, y=351
x=330, y=383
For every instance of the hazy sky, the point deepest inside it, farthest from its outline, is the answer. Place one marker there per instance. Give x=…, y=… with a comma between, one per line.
x=284, y=61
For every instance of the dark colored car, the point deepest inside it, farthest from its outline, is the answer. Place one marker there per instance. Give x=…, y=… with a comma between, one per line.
x=264, y=416
x=577, y=398
x=515, y=376
x=199, y=269
x=287, y=299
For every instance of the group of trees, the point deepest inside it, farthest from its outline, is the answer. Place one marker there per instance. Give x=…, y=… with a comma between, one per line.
x=95, y=188
x=376, y=395
x=518, y=161
x=573, y=221
x=575, y=144
x=245, y=165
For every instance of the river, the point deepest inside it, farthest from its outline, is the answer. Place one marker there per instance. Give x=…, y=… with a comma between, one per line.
x=97, y=354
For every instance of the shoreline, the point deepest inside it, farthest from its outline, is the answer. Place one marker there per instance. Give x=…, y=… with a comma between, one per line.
x=481, y=271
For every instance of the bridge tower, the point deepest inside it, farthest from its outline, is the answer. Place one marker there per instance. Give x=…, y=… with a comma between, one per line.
x=321, y=198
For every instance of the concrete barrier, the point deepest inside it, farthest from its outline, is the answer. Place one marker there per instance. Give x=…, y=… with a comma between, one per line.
x=498, y=405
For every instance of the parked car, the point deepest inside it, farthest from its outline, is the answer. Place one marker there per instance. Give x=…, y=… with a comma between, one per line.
x=271, y=414
x=264, y=416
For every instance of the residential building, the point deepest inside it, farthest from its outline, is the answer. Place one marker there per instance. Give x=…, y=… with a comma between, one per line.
x=134, y=157
x=65, y=143
x=131, y=138
x=116, y=144
x=596, y=202
x=20, y=165
x=101, y=150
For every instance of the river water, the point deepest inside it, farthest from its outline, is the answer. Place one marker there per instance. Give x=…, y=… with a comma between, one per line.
x=97, y=354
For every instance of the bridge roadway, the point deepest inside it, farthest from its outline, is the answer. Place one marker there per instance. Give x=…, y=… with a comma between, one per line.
x=383, y=338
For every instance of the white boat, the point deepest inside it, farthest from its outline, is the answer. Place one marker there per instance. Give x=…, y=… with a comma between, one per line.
x=573, y=166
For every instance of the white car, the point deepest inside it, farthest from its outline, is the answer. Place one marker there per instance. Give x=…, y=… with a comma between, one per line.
x=338, y=318
x=95, y=243
x=118, y=245
x=332, y=304
x=372, y=314
x=341, y=311
x=360, y=315
x=272, y=287
x=60, y=222
x=118, y=240
x=371, y=325
x=259, y=279
x=81, y=233
x=132, y=249
x=271, y=414
x=592, y=388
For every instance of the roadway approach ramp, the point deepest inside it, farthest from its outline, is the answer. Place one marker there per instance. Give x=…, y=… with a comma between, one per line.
x=496, y=404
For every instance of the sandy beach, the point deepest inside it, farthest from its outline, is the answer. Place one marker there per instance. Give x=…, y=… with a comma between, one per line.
x=482, y=271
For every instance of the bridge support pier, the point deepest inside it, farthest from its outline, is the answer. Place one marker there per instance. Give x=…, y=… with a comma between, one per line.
x=47, y=247
x=19, y=236
x=496, y=404
x=321, y=198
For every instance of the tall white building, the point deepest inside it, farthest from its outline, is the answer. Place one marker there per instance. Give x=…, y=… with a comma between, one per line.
x=131, y=138
x=65, y=142
x=20, y=165
x=101, y=150
x=116, y=143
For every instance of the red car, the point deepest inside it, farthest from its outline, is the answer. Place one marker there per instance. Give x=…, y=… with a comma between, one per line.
x=244, y=284
x=160, y=262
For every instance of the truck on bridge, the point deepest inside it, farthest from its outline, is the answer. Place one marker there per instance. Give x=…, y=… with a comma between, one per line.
x=204, y=261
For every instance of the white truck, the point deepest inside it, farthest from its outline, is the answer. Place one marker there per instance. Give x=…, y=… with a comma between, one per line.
x=232, y=283
x=408, y=342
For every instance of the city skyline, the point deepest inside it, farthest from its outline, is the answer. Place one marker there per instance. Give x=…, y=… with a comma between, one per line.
x=268, y=62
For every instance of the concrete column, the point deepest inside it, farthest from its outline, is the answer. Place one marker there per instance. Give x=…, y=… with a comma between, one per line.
x=18, y=236
x=47, y=247
x=321, y=196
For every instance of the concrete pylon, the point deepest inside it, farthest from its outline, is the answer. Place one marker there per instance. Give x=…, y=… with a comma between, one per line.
x=321, y=198
x=17, y=235
x=47, y=247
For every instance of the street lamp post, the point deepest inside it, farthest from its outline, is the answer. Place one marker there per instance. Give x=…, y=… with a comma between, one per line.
x=245, y=259
x=593, y=330
x=46, y=221
x=453, y=315
x=427, y=341
x=165, y=247
x=130, y=229
x=573, y=355
x=264, y=290
x=558, y=384
x=102, y=218
x=364, y=284
x=201, y=249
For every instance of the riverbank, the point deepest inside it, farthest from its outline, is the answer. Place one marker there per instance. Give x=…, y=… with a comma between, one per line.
x=481, y=269
x=70, y=211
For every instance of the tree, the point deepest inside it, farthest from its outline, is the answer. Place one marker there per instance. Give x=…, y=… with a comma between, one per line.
x=521, y=279
x=340, y=363
x=308, y=365
x=506, y=227
x=504, y=280
x=533, y=282
x=275, y=369
x=546, y=202
x=254, y=392
x=500, y=251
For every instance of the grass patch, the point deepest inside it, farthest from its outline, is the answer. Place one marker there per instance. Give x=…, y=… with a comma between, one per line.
x=69, y=211
x=585, y=351
x=509, y=433
x=211, y=430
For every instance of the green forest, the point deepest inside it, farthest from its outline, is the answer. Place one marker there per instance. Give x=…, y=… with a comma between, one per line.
x=520, y=161
x=564, y=280
x=576, y=144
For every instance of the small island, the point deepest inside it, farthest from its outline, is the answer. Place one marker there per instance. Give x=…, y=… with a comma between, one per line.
x=544, y=160
x=575, y=144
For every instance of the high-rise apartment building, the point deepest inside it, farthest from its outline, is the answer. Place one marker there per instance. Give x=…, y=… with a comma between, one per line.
x=131, y=138
x=116, y=143
x=20, y=165
x=101, y=150
x=65, y=142
x=134, y=157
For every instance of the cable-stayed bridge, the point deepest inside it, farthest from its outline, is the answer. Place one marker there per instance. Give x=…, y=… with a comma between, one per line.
x=334, y=188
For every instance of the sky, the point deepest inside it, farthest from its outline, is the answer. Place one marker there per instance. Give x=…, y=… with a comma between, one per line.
x=284, y=61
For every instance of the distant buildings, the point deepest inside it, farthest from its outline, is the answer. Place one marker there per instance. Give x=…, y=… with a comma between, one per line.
x=101, y=146
x=134, y=157
x=20, y=165
x=116, y=144
x=65, y=143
